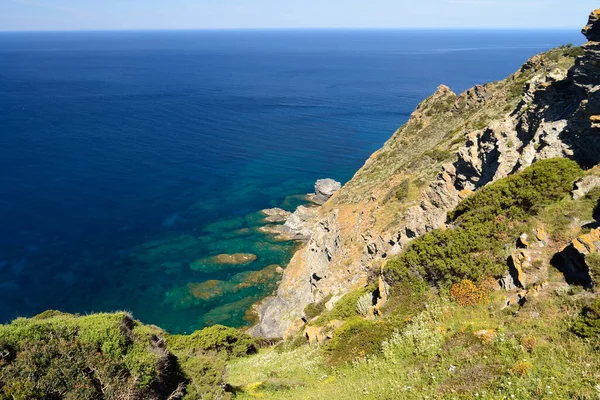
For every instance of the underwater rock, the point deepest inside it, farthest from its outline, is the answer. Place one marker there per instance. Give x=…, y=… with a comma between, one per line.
x=219, y=262
x=195, y=293
x=276, y=214
x=161, y=251
x=225, y=225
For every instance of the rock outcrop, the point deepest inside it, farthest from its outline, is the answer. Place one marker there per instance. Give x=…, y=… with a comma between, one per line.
x=276, y=214
x=572, y=259
x=584, y=186
x=451, y=146
x=324, y=189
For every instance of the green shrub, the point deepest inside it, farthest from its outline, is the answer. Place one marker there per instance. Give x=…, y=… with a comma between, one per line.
x=313, y=310
x=519, y=195
x=56, y=355
x=484, y=224
x=402, y=191
x=230, y=342
x=345, y=308
x=588, y=323
x=593, y=262
x=358, y=338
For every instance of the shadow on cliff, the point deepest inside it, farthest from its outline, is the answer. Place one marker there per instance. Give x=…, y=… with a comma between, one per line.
x=564, y=100
x=572, y=263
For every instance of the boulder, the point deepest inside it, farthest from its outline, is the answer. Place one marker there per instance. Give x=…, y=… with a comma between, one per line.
x=315, y=335
x=592, y=30
x=276, y=214
x=324, y=189
x=573, y=257
x=296, y=226
x=584, y=186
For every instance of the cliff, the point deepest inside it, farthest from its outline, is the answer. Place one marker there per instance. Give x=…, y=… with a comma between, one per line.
x=451, y=146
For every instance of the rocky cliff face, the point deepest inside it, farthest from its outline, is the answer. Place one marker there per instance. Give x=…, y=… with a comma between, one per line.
x=451, y=146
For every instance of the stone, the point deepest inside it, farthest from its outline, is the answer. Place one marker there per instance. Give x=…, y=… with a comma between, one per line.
x=221, y=261
x=315, y=335
x=592, y=30
x=324, y=189
x=584, y=186
x=297, y=226
x=524, y=241
x=541, y=235
x=276, y=214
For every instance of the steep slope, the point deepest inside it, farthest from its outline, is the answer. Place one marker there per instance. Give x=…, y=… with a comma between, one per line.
x=451, y=146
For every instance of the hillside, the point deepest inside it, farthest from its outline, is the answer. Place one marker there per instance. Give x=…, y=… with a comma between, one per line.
x=462, y=261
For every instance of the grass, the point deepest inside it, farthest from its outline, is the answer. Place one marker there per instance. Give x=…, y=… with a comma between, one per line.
x=437, y=355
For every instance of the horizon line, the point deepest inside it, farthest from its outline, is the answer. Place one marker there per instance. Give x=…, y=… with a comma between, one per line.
x=578, y=29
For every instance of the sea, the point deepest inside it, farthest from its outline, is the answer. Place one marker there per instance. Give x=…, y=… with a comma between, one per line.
x=128, y=160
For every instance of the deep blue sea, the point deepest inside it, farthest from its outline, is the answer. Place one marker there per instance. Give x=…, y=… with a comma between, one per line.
x=127, y=156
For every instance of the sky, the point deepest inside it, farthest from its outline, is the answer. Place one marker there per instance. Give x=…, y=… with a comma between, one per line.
x=44, y=15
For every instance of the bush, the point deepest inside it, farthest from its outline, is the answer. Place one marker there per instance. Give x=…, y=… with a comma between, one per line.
x=593, y=262
x=345, y=308
x=588, y=323
x=466, y=293
x=364, y=304
x=313, y=310
x=402, y=191
x=519, y=195
x=358, y=338
x=57, y=355
x=521, y=368
x=484, y=223
x=219, y=339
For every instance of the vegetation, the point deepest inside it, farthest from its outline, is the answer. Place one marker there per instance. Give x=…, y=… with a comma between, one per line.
x=588, y=323
x=217, y=339
x=440, y=354
x=56, y=355
x=593, y=262
x=313, y=310
x=111, y=356
x=484, y=223
x=345, y=308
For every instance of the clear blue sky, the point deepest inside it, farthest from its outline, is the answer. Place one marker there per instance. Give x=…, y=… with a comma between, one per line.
x=227, y=14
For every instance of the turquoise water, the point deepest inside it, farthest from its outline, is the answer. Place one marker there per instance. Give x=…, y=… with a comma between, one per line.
x=128, y=157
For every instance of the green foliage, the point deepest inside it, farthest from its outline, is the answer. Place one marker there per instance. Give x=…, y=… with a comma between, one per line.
x=364, y=303
x=205, y=377
x=519, y=195
x=567, y=50
x=402, y=191
x=345, y=308
x=313, y=310
x=593, y=262
x=588, y=323
x=56, y=355
x=203, y=357
x=229, y=342
x=358, y=338
x=484, y=224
